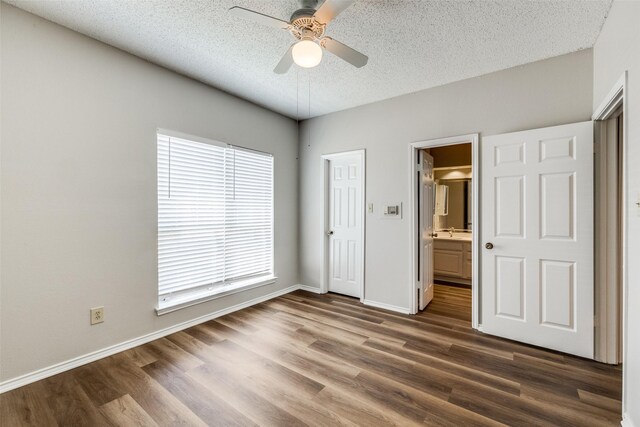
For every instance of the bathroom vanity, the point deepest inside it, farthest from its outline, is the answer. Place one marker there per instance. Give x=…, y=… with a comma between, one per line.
x=452, y=257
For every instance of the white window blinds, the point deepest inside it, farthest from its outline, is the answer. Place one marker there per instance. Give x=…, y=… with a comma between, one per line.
x=215, y=216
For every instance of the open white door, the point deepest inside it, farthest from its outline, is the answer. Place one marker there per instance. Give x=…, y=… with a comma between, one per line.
x=346, y=223
x=426, y=200
x=537, y=231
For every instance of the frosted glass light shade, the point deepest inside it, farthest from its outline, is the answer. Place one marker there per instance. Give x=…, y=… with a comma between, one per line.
x=307, y=54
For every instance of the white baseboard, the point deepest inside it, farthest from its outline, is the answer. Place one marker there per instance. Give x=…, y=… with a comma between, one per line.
x=310, y=289
x=626, y=421
x=403, y=310
x=31, y=377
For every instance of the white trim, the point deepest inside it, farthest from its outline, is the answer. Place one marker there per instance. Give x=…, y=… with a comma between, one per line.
x=31, y=377
x=389, y=307
x=612, y=101
x=324, y=274
x=626, y=421
x=607, y=107
x=475, y=238
x=312, y=289
x=230, y=289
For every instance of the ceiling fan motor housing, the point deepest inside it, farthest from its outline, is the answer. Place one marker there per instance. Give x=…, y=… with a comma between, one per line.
x=303, y=24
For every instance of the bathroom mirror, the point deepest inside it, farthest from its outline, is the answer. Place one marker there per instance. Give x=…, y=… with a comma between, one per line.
x=457, y=204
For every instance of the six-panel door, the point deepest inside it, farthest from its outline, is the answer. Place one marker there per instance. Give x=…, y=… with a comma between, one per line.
x=537, y=213
x=345, y=222
x=426, y=208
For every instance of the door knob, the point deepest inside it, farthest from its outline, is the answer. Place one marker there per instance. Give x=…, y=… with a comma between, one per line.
x=330, y=233
x=434, y=234
x=489, y=245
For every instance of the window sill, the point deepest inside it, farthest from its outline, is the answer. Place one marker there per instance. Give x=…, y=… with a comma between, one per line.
x=234, y=288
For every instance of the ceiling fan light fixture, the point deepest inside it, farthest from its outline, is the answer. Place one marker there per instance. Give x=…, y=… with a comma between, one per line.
x=306, y=53
x=307, y=25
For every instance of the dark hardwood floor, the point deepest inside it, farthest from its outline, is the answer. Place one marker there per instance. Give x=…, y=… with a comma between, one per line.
x=325, y=360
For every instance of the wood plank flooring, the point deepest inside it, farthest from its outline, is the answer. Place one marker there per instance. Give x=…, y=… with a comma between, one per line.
x=321, y=360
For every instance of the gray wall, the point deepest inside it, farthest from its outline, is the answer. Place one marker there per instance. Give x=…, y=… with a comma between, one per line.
x=78, y=177
x=617, y=50
x=545, y=93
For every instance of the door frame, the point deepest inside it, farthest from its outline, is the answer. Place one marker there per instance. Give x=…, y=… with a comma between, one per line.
x=324, y=274
x=615, y=99
x=473, y=139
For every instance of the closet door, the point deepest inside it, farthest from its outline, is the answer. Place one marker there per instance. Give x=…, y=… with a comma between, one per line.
x=537, y=230
x=346, y=224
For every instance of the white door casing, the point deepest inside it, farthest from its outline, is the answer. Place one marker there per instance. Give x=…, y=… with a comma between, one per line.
x=537, y=212
x=426, y=198
x=346, y=224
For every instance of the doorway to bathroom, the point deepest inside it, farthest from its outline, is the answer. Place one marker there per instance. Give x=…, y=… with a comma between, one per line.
x=452, y=230
x=443, y=194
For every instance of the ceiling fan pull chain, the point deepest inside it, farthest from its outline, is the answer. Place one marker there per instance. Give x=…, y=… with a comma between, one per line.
x=309, y=114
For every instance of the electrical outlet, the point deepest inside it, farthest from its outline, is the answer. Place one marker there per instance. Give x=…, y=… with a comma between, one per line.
x=97, y=315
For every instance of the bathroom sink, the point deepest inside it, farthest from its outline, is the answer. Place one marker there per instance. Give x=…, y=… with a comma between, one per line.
x=445, y=235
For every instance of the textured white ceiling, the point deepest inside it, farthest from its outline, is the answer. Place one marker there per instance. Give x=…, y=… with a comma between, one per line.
x=412, y=45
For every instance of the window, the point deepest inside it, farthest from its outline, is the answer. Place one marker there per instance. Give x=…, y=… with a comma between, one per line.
x=215, y=220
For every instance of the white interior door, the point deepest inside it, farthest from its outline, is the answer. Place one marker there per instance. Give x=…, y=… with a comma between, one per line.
x=346, y=228
x=426, y=198
x=537, y=231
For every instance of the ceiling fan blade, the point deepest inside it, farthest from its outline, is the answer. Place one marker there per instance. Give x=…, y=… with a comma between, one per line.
x=330, y=9
x=285, y=63
x=258, y=17
x=343, y=51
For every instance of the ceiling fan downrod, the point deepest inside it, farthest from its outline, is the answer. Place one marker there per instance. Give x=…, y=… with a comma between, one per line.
x=307, y=9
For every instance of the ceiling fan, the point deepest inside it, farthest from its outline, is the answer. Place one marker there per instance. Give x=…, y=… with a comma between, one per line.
x=307, y=25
